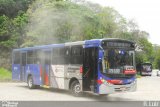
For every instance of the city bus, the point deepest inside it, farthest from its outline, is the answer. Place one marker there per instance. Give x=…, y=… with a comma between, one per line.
x=100, y=66
x=146, y=69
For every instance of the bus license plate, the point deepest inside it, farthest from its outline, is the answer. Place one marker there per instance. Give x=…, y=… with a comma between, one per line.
x=123, y=88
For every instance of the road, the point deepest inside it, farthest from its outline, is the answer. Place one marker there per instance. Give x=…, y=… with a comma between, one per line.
x=148, y=88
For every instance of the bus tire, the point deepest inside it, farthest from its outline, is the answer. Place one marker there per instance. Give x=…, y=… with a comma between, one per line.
x=37, y=86
x=75, y=88
x=30, y=82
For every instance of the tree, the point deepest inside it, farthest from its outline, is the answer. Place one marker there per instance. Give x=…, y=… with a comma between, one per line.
x=19, y=23
x=11, y=8
x=6, y=38
x=146, y=53
x=157, y=59
x=26, y=23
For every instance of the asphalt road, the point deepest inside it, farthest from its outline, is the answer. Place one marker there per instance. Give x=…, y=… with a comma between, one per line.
x=148, y=89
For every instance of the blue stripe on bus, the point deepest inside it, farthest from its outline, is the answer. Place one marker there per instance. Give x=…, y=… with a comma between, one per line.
x=40, y=47
x=92, y=43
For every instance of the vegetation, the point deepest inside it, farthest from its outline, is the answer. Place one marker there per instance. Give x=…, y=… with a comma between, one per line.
x=157, y=56
x=5, y=75
x=26, y=23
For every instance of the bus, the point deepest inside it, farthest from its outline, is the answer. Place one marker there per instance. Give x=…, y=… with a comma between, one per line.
x=100, y=66
x=146, y=69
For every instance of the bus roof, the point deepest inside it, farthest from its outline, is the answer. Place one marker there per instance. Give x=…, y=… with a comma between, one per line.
x=116, y=39
x=96, y=42
x=146, y=63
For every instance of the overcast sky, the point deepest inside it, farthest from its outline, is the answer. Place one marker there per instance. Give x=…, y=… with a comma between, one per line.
x=145, y=12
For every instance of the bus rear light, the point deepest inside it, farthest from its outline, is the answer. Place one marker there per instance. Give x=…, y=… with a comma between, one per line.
x=81, y=69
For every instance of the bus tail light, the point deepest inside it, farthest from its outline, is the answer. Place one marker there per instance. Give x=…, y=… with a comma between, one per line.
x=81, y=69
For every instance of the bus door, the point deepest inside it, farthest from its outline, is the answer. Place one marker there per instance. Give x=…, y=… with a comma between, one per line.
x=90, y=69
x=16, y=67
x=23, y=65
x=45, y=64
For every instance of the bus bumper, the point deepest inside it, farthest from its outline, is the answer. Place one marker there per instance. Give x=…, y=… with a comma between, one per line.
x=147, y=74
x=110, y=88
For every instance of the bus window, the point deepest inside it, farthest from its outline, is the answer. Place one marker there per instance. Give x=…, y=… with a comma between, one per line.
x=117, y=58
x=23, y=59
x=61, y=56
x=55, y=55
x=37, y=59
x=16, y=59
x=55, y=52
x=30, y=57
x=47, y=59
x=64, y=55
x=76, y=54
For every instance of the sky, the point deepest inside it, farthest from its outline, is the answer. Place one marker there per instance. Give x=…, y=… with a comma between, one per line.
x=145, y=12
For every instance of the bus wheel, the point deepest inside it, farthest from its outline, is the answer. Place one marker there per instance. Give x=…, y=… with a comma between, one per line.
x=30, y=82
x=37, y=86
x=75, y=88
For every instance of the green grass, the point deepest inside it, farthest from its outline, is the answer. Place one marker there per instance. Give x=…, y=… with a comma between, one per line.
x=138, y=76
x=5, y=75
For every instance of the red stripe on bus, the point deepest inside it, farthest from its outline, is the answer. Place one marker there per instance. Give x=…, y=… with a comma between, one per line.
x=46, y=79
x=130, y=72
x=99, y=81
x=40, y=71
x=115, y=81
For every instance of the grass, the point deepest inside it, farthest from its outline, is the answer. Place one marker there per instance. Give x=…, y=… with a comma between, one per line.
x=5, y=75
x=138, y=76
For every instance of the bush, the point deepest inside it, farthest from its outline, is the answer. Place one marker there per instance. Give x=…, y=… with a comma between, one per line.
x=5, y=75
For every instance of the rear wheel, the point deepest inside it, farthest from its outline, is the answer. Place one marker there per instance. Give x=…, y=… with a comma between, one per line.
x=37, y=86
x=75, y=88
x=30, y=82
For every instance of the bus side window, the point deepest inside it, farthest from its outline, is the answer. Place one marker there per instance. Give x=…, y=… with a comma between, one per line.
x=16, y=59
x=61, y=56
x=48, y=57
x=30, y=57
x=24, y=59
x=76, y=55
x=64, y=55
x=38, y=55
x=55, y=55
